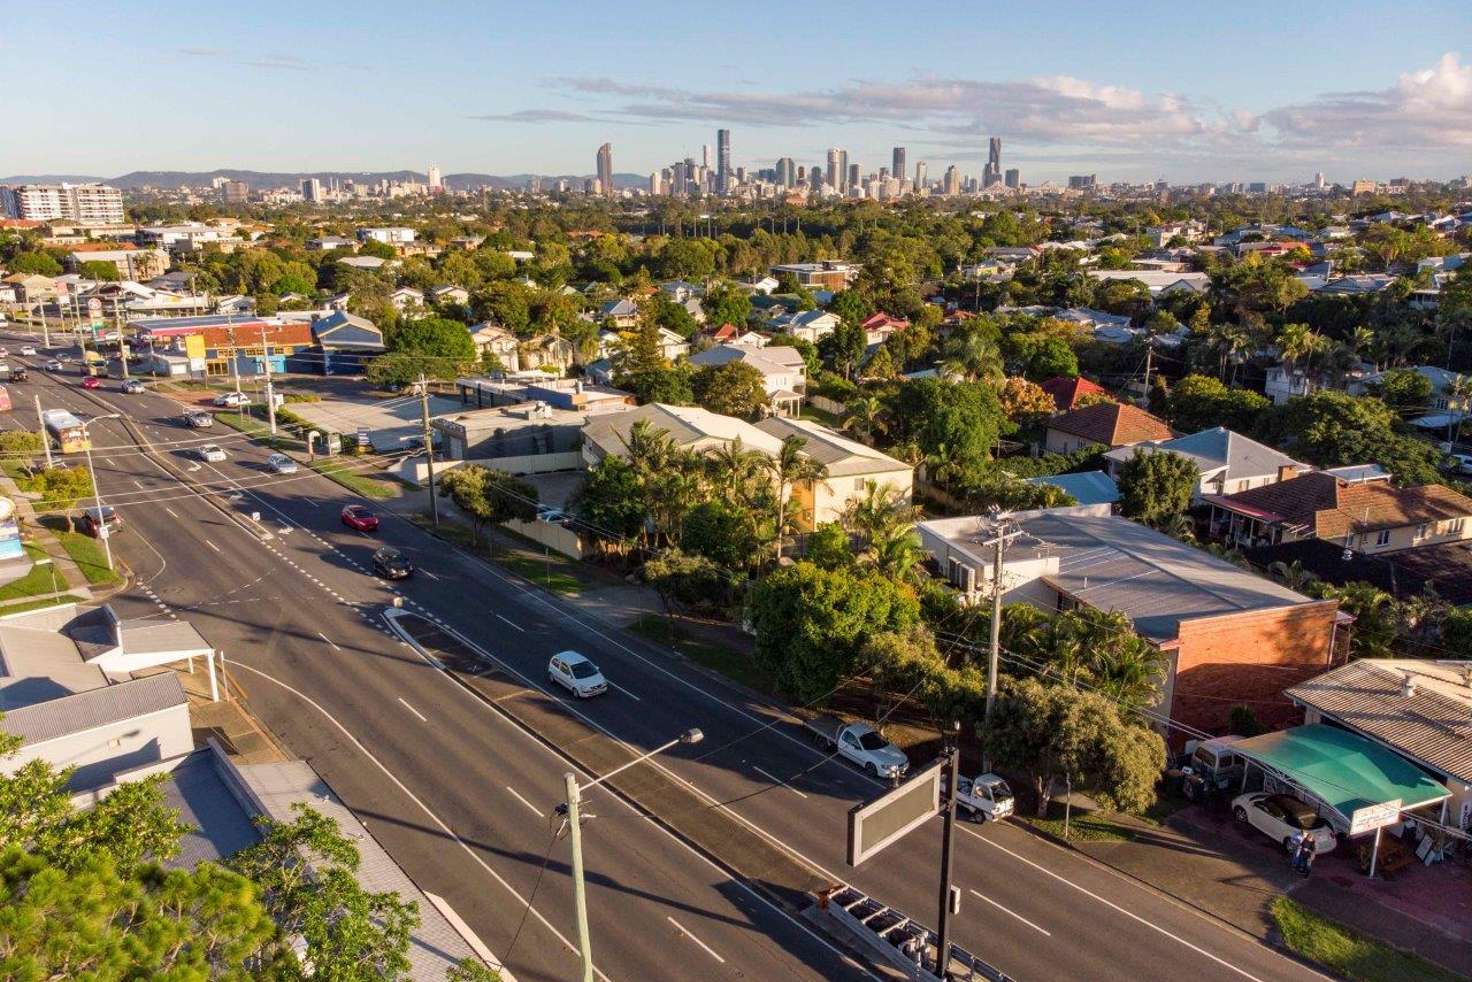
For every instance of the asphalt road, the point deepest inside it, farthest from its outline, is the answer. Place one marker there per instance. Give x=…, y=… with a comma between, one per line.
x=459, y=796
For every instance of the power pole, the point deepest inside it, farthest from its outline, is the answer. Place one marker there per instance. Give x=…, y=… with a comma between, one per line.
x=434, y=505
x=995, y=654
x=1149, y=353
x=943, y=946
x=45, y=437
x=579, y=893
x=270, y=392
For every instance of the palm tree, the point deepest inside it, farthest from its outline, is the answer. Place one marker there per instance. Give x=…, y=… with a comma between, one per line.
x=790, y=468
x=1361, y=340
x=1292, y=575
x=896, y=553
x=1458, y=388
x=866, y=417
x=881, y=509
x=735, y=470
x=974, y=356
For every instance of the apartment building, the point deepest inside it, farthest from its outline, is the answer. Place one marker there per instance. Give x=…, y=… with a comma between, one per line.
x=86, y=204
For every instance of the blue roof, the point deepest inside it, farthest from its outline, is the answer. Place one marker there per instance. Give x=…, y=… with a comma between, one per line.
x=1087, y=487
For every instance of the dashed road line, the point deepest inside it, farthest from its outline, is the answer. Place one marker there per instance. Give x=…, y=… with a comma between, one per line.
x=414, y=711
x=686, y=932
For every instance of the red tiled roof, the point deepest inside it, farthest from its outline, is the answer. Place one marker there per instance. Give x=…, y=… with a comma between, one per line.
x=882, y=319
x=241, y=336
x=1331, y=508
x=1066, y=391
x=1114, y=424
x=726, y=331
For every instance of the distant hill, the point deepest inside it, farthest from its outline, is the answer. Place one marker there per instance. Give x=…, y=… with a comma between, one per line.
x=263, y=180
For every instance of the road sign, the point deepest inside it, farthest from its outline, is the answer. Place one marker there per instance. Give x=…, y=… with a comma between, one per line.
x=363, y=442
x=1372, y=817
x=873, y=826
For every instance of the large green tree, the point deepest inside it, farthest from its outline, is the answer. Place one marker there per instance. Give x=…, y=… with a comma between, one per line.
x=1199, y=402
x=1157, y=487
x=488, y=497
x=733, y=389
x=810, y=623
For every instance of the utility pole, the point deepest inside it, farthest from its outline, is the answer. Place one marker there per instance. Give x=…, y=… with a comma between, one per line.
x=270, y=391
x=579, y=893
x=434, y=505
x=45, y=327
x=1149, y=354
x=45, y=437
x=943, y=946
x=1000, y=543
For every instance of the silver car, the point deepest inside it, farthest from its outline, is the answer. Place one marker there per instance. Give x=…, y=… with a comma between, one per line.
x=281, y=464
x=211, y=454
x=576, y=674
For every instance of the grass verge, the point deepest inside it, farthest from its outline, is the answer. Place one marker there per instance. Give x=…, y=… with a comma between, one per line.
x=23, y=606
x=368, y=484
x=733, y=664
x=41, y=579
x=553, y=571
x=259, y=430
x=89, y=556
x=1348, y=953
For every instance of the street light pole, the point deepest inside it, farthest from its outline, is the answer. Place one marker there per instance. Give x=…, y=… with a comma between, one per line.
x=575, y=832
x=434, y=505
x=103, y=532
x=947, y=865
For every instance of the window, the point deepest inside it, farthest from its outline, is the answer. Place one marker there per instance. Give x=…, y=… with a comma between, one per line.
x=1422, y=530
x=1383, y=538
x=1454, y=527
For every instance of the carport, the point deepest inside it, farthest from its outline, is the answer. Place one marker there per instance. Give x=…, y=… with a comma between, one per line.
x=1358, y=785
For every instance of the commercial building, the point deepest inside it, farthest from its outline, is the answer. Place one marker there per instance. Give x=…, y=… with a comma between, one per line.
x=86, y=204
x=1013, y=178
x=898, y=167
x=992, y=174
x=235, y=192
x=605, y=170
x=394, y=236
x=1228, y=637
x=828, y=274
x=312, y=189
x=723, y=161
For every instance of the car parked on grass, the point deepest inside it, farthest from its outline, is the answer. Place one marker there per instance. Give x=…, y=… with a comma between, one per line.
x=198, y=419
x=391, y=564
x=211, y=453
x=132, y=386
x=576, y=674
x=96, y=518
x=231, y=400
x=1283, y=818
x=359, y=518
x=281, y=464
x=91, y=382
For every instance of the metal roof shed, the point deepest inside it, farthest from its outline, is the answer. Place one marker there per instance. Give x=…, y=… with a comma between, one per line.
x=1343, y=770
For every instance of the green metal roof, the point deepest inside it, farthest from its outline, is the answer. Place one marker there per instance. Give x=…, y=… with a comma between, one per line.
x=1342, y=769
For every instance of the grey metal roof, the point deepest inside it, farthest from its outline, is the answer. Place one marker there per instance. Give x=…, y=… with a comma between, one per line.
x=1429, y=726
x=88, y=710
x=1087, y=487
x=435, y=945
x=1113, y=563
x=220, y=825
x=1220, y=447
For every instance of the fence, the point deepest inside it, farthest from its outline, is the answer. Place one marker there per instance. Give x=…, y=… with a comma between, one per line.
x=415, y=470
x=828, y=405
x=553, y=536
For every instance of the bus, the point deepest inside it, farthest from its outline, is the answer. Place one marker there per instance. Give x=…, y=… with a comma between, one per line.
x=66, y=431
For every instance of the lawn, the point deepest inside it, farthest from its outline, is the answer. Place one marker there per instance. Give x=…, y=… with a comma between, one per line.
x=40, y=580
x=1347, y=953
x=353, y=474
x=21, y=608
x=552, y=572
x=733, y=664
x=88, y=554
x=258, y=429
x=20, y=472
x=1101, y=826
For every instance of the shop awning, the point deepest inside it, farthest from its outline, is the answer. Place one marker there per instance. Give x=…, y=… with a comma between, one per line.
x=1343, y=770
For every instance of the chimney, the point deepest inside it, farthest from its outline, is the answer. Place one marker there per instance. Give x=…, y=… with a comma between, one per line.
x=1408, y=687
x=1287, y=472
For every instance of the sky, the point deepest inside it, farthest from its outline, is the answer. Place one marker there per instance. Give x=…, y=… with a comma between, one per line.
x=1249, y=91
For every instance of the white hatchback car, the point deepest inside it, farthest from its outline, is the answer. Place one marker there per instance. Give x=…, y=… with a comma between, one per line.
x=1282, y=817
x=576, y=674
x=210, y=453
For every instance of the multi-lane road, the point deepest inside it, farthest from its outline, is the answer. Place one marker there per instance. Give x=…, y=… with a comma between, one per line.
x=461, y=796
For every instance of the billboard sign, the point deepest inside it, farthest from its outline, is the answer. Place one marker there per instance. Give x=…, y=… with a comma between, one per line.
x=887, y=819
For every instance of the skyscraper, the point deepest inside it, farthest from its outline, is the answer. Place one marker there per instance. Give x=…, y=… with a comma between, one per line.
x=837, y=167
x=898, y=164
x=919, y=175
x=815, y=178
x=605, y=170
x=723, y=161
x=1014, y=178
x=786, y=173
x=311, y=189
x=705, y=156
x=853, y=176
x=993, y=173
x=435, y=184
x=952, y=184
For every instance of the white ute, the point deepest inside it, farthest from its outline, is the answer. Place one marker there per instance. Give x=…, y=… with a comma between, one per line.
x=861, y=744
x=985, y=797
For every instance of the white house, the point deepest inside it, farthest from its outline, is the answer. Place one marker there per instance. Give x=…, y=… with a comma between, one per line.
x=784, y=373
x=810, y=325
x=1229, y=462
x=406, y=297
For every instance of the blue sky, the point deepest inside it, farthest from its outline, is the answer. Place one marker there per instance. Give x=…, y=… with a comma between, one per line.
x=1249, y=91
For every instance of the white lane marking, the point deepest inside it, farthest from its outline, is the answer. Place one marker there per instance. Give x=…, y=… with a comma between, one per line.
x=139, y=483
x=429, y=574
x=535, y=810
x=212, y=545
x=491, y=665
x=1005, y=910
x=625, y=692
x=328, y=640
x=412, y=709
x=686, y=932
x=777, y=780
x=423, y=807
x=1114, y=906
x=512, y=623
x=171, y=511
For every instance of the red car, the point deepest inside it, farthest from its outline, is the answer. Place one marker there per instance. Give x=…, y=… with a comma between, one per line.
x=359, y=518
x=91, y=382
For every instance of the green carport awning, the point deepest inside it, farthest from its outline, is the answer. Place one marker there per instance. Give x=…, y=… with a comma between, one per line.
x=1341, y=769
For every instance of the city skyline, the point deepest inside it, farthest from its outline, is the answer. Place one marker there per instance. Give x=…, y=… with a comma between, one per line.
x=1361, y=102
